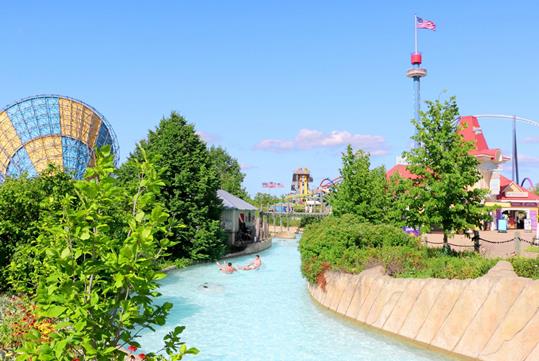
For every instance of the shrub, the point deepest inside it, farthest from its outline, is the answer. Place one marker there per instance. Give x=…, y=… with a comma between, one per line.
x=22, y=209
x=526, y=267
x=351, y=246
x=338, y=240
x=305, y=221
x=18, y=319
x=97, y=280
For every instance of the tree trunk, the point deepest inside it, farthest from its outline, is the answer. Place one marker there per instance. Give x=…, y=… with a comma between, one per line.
x=446, y=246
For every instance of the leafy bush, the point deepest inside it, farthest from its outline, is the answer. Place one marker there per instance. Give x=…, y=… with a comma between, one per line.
x=98, y=279
x=347, y=245
x=526, y=267
x=437, y=263
x=21, y=207
x=338, y=240
x=305, y=221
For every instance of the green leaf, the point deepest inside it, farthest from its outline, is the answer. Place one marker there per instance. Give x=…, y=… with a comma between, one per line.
x=59, y=348
x=85, y=235
x=65, y=253
x=54, y=311
x=159, y=276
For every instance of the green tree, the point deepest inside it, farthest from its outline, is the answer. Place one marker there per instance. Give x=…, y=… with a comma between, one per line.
x=265, y=200
x=443, y=194
x=21, y=211
x=363, y=191
x=96, y=286
x=229, y=171
x=190, y=190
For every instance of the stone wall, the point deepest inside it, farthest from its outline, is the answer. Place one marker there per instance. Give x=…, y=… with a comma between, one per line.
x=491, y=318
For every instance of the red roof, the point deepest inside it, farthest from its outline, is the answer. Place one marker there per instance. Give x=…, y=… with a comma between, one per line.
x=505, y=182
x=471, y=131
x=402, y=171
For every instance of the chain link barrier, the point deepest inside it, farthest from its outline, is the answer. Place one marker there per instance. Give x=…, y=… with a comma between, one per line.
x=483, y=240
x=451, y=244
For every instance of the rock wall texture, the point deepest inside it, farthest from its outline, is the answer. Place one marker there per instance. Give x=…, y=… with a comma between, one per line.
x=491, y=318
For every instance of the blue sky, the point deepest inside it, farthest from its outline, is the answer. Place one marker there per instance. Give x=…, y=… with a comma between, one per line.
x=279, y=84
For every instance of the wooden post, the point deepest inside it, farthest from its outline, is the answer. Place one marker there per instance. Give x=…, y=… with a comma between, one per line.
x=517, y=243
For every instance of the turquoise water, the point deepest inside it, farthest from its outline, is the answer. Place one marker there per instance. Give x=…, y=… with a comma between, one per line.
x=266, y=315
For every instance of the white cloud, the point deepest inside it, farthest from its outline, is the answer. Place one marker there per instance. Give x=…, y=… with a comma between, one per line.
x=311, y=138
x=531, y=140
x=528, y=160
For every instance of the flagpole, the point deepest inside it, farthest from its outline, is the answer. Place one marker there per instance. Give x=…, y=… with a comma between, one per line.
x=415, y=32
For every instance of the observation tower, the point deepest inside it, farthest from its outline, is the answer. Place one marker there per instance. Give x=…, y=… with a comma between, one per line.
x=416, y=72
x=51, y=129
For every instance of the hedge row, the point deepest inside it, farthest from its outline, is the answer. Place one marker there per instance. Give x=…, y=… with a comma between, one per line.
x=345, y=244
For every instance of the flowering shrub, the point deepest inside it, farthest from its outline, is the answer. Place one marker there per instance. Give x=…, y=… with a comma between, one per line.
x=17, y=320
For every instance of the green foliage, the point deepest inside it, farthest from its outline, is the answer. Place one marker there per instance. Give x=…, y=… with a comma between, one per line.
x=190, y=187
x=534, y=249
x=526, y=267
x=21, y=210
x=12, y=312
x=97, y=280
x=173, y=344
x=443, y=194
x=306, y=220
x=229, y=171
x=335, y=240
x=346, y=244
x=437, y=263
x=363, y=191
x=265, y=200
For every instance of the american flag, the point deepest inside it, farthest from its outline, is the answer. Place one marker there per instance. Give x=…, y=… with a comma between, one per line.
x=425, y=24
x=272, y=185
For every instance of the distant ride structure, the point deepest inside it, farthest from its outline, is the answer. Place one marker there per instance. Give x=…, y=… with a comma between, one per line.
x=52, y=129
x=301, y=178
x=327, y=184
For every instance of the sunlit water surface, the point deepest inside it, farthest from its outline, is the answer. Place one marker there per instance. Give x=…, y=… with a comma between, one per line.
x=267, y=315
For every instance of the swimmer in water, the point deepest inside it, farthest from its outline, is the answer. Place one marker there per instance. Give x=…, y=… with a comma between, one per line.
x=256, y=263
x=228, y=268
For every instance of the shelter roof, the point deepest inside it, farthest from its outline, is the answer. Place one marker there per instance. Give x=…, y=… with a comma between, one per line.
x=231, y=201
x=507, y=185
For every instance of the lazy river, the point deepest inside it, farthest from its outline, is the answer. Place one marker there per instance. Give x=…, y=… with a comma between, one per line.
x=267, y=315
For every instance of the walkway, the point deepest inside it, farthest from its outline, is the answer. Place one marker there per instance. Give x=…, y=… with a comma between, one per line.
x=506, y=249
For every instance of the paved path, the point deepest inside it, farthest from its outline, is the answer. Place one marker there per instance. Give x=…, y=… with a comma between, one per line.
x=488, y=249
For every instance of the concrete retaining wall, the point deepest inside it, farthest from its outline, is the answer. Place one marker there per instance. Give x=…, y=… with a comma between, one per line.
x=251, y=248
x=491, y=318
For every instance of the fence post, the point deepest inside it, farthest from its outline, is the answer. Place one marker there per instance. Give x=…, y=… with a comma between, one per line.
x=476, y=244
x=517, y=243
